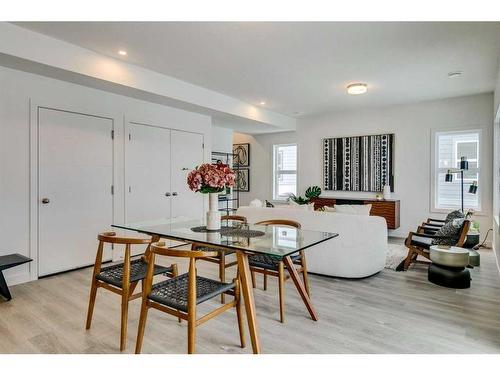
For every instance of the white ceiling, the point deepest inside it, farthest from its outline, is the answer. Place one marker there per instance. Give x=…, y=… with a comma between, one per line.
x=302, y=68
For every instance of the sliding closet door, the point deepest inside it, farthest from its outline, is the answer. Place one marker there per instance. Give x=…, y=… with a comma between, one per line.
x=147, y=173
x=75, y=178
x=187, y=153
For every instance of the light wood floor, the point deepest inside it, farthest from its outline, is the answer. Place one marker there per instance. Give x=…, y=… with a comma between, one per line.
x=392, y=312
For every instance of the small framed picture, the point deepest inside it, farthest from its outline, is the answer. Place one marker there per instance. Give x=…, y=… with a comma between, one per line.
x=242, y=180
x=241, y=155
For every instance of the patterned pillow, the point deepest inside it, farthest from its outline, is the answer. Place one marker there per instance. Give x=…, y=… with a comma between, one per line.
x=454, y=215
x=451, y=232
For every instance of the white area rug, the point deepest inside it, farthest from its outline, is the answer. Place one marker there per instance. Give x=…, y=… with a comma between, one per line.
x=395, y=254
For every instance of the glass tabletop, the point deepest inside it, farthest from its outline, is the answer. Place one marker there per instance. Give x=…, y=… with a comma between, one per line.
x=272, y=240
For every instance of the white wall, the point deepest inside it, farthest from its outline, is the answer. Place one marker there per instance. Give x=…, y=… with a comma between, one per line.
x=261, y=163
x=412, y=125
x=222, y=139
x=20, y=93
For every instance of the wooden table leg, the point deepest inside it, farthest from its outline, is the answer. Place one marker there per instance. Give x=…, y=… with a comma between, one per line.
x=247, y=291
x=300, y=287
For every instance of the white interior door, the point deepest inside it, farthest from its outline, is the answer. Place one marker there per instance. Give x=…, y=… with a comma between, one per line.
x=74, y=194
x=187, y=153
x=147, y=171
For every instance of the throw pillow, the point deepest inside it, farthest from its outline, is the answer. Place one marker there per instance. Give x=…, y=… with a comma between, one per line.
x=329, y=209
x=256, y=203
x=454, y=215
x=354, y=209
x=450, y=232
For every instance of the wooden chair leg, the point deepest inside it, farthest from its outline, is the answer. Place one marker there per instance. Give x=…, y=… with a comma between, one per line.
x=239, y=315
x=124, y=318
x=192, y=307
x=142, y=327
x=175, y=273
x=222, y=274
x=265, y=281
x=93, y=285
x=304, y=272
x=93, y=295
x=408, y=259
x=253, y=279
x=281, y=287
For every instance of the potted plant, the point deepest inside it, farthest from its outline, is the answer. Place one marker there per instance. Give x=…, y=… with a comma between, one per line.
x=211, y=179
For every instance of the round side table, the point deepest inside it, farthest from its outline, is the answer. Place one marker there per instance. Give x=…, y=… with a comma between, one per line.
x=448, y=267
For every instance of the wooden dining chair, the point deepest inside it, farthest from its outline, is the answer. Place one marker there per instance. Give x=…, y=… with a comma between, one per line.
x=419, y=243
x=122, y=278
x=220, y=258
x=180, y=295
x=270, y=265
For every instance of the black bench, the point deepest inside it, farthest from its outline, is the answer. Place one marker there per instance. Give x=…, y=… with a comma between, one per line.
x=9, y=261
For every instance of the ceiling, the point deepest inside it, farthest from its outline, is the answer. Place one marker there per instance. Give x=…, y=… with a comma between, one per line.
x=302, y=68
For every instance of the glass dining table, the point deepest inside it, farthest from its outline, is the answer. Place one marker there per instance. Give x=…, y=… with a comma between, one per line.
x=278, y=240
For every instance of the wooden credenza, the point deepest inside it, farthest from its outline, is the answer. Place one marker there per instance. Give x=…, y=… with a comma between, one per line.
x=388, y=209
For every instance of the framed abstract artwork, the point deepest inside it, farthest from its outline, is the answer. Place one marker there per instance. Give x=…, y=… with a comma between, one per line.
x=241, y=155
x=364, y=163
x=242, y=180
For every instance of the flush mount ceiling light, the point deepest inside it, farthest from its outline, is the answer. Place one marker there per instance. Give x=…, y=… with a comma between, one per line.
x=262, y=103
x=357, y=88
x=455, y=74
x=122, y=52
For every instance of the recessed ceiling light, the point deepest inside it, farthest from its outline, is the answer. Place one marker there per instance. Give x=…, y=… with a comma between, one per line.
x=262, y=103
x=455, y=74
x=122, y=52
x=357, y=88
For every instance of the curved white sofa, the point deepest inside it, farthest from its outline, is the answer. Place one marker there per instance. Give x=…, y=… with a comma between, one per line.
x=358, y=251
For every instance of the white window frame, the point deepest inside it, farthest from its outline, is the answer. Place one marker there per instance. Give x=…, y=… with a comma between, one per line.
x=275, y=176
x=434, y=168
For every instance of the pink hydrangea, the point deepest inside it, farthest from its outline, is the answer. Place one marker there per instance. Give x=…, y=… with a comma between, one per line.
x=211, y=178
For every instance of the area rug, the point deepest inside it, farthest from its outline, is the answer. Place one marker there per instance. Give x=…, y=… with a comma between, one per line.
x=395, y=254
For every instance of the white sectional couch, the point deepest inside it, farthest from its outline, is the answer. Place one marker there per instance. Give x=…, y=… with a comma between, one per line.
x=358, y=251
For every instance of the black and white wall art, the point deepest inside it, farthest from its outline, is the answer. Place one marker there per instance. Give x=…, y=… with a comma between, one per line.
x=364, y=163
x=242, y=180
x=241, y=155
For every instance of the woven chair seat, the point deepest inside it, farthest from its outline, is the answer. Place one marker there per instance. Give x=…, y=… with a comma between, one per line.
x=138, y=268
x=268, y=262
x=206, y=248
x=174, y=292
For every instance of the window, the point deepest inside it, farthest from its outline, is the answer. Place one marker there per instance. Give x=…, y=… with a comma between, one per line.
x=284, y=171
x=449, y=148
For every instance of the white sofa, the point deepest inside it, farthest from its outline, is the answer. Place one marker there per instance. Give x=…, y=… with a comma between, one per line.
x=358, y=251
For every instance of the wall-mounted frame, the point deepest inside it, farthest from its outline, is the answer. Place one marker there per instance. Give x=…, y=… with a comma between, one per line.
x=363, y=163
x=242, y=180
x=241, y=155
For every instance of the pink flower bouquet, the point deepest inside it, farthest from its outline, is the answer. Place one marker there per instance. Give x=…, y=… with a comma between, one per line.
x=211, y=178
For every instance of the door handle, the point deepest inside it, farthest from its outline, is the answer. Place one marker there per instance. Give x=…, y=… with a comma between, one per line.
x=174, y=194
x=167, y=194
x=45, y=200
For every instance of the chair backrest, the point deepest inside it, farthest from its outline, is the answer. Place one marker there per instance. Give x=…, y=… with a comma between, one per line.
x=161, y=249
x=111, y=237
x=288, y=223
x=243, y=219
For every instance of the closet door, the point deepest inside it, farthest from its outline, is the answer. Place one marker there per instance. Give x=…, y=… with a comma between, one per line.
x=187, y=153
x=147, y=173
x=74, y=188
